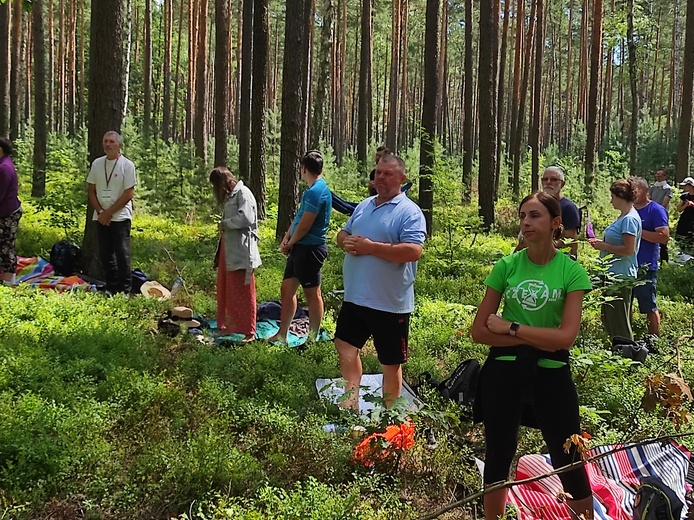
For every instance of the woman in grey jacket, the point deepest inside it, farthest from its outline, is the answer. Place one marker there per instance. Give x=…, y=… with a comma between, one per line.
x=237, y=255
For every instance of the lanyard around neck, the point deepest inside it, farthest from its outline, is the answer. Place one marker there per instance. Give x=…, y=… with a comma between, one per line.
x=108, y=177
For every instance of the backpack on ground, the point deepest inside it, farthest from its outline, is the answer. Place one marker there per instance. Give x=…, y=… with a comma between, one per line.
x=656, y=501
x=65, y=258
x=461, y=386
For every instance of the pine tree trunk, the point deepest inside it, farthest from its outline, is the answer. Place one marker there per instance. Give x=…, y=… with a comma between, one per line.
x=322, y=87
x=534, y=137
x=520, y=121
x=221, y=91
x=200, y=135
x=261, y=56
x=294, y=93
x=593, y=96
x=633, y=128
x=517, y=74
x=500, y=112
x=468, y=123
x=685, y=130
x=177, y=71
x=147, y=72
x=245, y=103
x=404, y=89
x=15, y=69
x=168, y=45
x=106, y=92
x=488, y=132
x=38, y=180
x=568, y=112
x=5, y=68
x=363, y=117
x=394, y=90
x=81, y=103
x=428, y=132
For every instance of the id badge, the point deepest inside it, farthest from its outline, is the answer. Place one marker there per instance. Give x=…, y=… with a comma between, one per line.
x=105, y=198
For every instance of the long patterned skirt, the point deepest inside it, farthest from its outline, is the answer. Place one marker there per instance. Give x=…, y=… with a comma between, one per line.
x=236, y=304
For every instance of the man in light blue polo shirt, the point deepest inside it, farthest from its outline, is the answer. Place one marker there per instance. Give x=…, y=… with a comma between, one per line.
x=383, y=240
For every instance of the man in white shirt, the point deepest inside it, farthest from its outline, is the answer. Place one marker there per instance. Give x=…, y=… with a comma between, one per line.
x=111, y=182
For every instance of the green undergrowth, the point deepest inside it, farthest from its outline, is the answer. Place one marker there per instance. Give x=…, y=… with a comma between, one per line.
x=100, y=416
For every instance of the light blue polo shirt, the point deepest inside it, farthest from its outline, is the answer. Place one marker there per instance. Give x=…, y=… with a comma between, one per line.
x=374, y=282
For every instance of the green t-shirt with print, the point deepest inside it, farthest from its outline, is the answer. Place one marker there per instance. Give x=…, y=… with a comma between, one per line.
x=534, y=294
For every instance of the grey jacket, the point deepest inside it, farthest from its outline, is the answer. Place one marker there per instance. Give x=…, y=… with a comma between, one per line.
x=240, y=225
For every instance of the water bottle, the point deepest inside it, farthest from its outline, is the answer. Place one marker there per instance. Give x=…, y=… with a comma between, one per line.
x=176, y=286
x=334, y=428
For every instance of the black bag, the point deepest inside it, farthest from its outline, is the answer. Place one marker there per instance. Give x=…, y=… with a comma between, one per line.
x=656, y=501
x=460, y=386
x=65, y=258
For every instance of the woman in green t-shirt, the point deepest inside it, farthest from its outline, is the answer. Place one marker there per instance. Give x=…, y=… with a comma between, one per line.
x=526, y=377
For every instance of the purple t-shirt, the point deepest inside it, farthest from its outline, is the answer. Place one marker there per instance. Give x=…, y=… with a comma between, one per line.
x=9, y=203
x=653, y=216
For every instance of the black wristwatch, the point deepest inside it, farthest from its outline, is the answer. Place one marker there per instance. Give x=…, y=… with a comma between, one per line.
x=514, y=328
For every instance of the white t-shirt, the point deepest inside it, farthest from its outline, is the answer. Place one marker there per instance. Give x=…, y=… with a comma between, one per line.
x=112, y=178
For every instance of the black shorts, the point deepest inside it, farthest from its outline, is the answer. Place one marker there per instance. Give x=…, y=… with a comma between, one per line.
x=304, y=263
x=390, y=331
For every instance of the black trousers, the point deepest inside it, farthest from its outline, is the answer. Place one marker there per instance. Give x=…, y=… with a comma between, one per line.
x=554, y=407
x=114, y=252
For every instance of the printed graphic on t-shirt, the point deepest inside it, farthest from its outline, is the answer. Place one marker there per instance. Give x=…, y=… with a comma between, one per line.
x=533, y=295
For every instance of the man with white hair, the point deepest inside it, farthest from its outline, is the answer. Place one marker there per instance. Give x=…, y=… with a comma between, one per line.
x=552, y=183
x=111, y=182
x=655, y=234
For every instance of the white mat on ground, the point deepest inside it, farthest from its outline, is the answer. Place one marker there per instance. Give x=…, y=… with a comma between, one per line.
x=333, y=389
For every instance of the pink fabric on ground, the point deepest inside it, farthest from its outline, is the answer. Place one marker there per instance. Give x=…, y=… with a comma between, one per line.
x=236, y=304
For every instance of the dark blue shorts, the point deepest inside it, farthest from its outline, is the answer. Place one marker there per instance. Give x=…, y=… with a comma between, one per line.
x=645, y=293
x=304, y=263
x=356, y=324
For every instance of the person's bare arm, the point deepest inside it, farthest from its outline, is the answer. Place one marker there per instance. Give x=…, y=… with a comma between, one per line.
x=627, y=249
x=549, y=339
x=481, y=333
x=398, y=252
x=659, y=236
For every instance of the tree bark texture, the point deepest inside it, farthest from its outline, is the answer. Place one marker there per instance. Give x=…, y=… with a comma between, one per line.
x=221, y=90
x=487, y=81
x=106, y=93
x=296, y=42
x=633, y=127
x=428, y=132
x=364, y=115
x=15, y=69
x=38, y=179
x=245, y=101
x=685, y=129
x=4, y=68
x=261, y=55
x=200, y=126
x=468, y=116
x=534, y=137
x=593, y=97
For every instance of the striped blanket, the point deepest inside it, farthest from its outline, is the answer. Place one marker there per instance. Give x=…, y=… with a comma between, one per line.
x=39, y=273
x=614, y=480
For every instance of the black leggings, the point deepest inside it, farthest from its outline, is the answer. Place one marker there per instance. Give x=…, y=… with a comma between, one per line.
x=554, y=407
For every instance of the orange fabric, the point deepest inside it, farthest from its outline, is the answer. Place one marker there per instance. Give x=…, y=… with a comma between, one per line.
x=399, y=437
